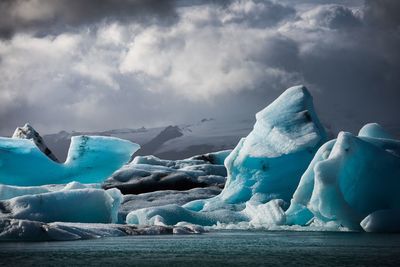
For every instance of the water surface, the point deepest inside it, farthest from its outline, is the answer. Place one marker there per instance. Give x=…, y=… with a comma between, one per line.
x=228, y=248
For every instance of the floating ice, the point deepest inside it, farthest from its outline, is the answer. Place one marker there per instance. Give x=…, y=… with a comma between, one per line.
x=349, y=179
x=382, y=221
x=91, y=159
x=263, y=215
x=173, y=214
x=265, y=165
x=216, y=158
x=374, y=130
x=148, y=173
x=80, y=205
x=25, y=230
x=10, y=191
x=165, y=197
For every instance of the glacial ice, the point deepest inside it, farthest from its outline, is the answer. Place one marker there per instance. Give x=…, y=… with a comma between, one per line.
x=164, y=197
x=91, y=159
x=374, y=130
x=264, y=166
x=25, y=230
x=148, y=173
x=216, y=158
x=382, y=221
x=173, y=214
x=11, y=191
x=351, y=180
x=284, y=175
x=79, y=205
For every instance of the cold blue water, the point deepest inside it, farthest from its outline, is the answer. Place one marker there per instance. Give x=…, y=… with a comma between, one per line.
x=223, y=248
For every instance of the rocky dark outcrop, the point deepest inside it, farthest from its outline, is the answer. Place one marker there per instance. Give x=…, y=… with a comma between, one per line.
x=28, y=132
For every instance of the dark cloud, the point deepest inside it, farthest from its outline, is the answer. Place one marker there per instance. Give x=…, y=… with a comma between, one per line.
x=49, y=16
x=383, y=14
x=218, y=59
x=336, y=17
x=355, y=65
x=258, y=13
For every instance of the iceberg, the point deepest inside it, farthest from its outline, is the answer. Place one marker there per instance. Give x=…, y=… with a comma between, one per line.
x=79, y=205
x=91, y=159
x=149, y=173
x=352, y=181
x=264, y=166
x=283, y=175
x=374, y=130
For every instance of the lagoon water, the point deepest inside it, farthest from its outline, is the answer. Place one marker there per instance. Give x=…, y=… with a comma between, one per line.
x=222, y=248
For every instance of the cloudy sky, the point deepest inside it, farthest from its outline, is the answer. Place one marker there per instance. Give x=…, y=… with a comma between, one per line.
x=104, y=64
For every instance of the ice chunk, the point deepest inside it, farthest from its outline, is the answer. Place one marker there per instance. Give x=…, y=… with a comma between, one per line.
x=272, y=158
x=214, y=157
x=348, y=179
x=174, y=164
x=24, y=230
x=80, y=205
x=173, y=214
x=382, y=221
x=165, y=197
x=90, y=160
x=28, y=132
x=263, y=215
x=266, y=165
x=148, y=173
x=298, y=212
x=374, y=130
x=10, y=191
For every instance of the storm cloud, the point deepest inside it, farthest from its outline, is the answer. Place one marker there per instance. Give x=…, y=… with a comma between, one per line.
x=113, y=64
x=48, y=16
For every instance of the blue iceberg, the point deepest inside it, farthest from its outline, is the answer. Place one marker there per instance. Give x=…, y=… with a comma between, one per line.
x=352, y=180
x=11, y=191
x=75, y=205
x=264, y=166
x=90, y=159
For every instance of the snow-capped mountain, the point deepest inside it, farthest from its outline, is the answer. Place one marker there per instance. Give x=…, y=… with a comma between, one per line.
x=170, y=142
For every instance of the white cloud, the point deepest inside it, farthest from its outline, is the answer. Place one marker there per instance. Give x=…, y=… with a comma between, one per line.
x=112, y=73
x=206, y=55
